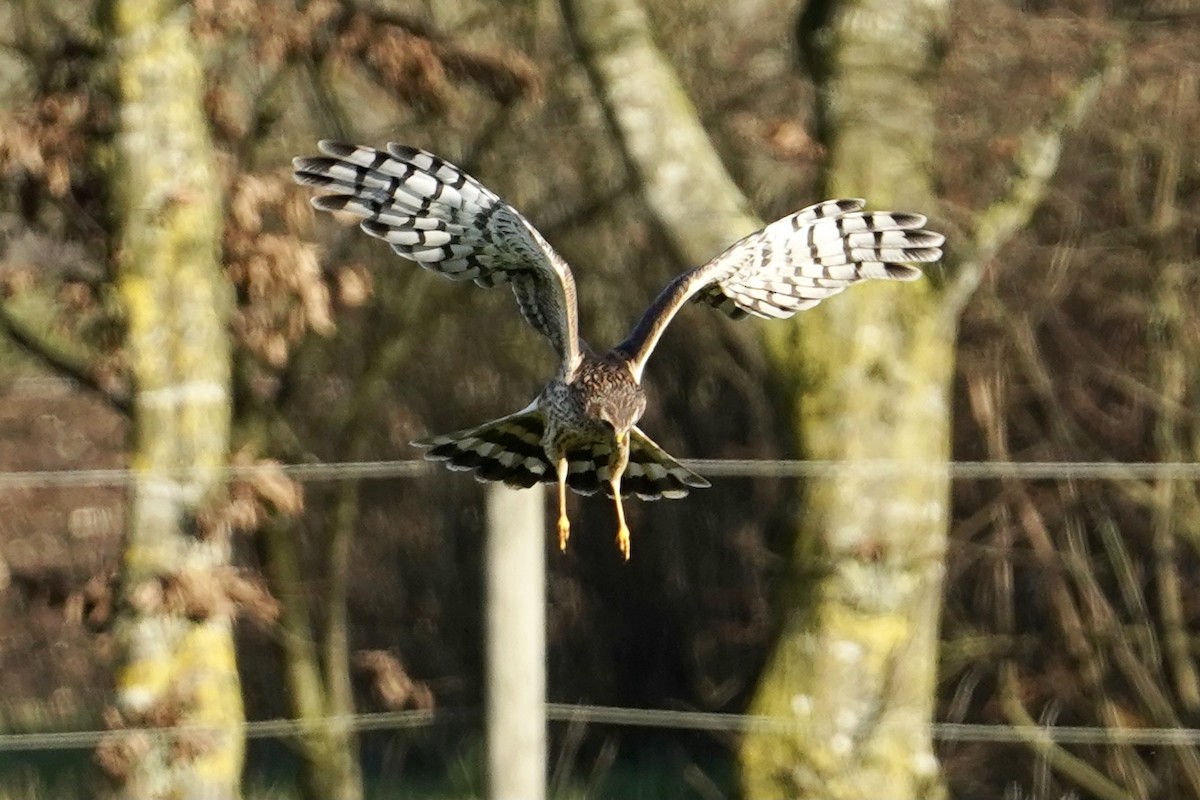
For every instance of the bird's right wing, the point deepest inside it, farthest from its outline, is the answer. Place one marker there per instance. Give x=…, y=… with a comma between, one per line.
x=435, y=214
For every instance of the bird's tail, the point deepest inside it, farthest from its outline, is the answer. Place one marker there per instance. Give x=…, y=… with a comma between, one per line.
x=510, y=450
x=652, y=473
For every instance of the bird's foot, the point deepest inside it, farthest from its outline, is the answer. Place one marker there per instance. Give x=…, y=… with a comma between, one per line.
x=623, y=540
x=564, y=532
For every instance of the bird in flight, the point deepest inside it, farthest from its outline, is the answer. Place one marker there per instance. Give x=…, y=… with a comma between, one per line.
x=581, y=430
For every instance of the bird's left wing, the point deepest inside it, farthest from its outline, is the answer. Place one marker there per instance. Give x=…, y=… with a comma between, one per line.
x=793, y=264
x=433, y=213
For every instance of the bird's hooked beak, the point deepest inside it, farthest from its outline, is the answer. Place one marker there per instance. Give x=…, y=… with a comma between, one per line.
x=622, y=436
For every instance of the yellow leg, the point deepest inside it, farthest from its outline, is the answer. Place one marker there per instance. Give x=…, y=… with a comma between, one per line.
x=622, y=528
x=617, y=468
x=564, y=525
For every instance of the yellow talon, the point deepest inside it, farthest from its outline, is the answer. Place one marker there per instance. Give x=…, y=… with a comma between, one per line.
x=564, y=532
x=623, y=541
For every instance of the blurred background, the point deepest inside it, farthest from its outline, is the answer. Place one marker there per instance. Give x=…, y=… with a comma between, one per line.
x=1055, y=147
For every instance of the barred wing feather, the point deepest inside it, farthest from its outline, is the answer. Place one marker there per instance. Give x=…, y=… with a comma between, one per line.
x=798, y=261
x=433, y=213
x=508, y=449
x=793, y=264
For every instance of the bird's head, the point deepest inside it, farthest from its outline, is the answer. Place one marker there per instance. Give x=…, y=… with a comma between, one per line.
x=615, y=416
x=616, y=420
x=612, y=398
x=618, y=410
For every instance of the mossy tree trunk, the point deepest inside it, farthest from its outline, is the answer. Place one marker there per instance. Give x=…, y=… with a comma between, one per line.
x=174, y=631
x=315, y=642
x=318, y=678
x=854, y=665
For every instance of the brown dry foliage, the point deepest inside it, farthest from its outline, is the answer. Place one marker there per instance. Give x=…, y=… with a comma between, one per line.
x=117, y=754
x=279, y=277
x=203, y=593
x=259, y=491
x=405, y=55
x=48, y=140
x=392, y=685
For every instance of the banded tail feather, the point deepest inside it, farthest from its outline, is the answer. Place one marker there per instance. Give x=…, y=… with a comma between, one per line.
x=652, y=473
x=509, y=450
x=428, y=210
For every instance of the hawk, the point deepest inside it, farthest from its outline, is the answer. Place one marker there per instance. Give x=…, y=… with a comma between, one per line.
x=581, y=430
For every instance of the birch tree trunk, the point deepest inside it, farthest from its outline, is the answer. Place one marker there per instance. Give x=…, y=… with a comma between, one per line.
x=175, y=632
x=318, y=691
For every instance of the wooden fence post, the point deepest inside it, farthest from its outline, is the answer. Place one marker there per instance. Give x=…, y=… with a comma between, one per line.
x=516, y=643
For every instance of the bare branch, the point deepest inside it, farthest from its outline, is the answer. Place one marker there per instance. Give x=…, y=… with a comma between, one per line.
x=61, y=362
x=1070, y=767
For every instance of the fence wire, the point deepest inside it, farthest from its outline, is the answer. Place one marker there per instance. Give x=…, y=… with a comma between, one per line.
x=715, y=467
x=613, y=715
x=640, y=717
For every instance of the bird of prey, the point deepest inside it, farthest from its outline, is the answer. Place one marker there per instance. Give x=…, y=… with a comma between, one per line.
x=580, y=431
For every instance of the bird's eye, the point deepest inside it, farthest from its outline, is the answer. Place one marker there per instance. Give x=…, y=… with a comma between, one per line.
x=608, y=424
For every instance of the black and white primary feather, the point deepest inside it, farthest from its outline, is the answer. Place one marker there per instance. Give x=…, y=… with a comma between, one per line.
x=580, y=431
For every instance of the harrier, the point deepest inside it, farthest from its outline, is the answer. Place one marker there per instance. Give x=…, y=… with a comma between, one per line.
x=580, y=431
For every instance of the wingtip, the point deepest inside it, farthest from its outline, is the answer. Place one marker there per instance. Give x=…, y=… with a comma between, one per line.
x=903, y=272
x=925, y=252
x=309, y=174
x=374, y=228
x=907, y=220
x=402, y=151
x=308, y=169
x=328, y=202
x=336, y=148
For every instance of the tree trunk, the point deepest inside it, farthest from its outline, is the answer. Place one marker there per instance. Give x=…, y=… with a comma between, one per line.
x=700, y=208
x=175, y=632
x=854, y=666
x=316, y=656
x=328, y=745
x=855, y=662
